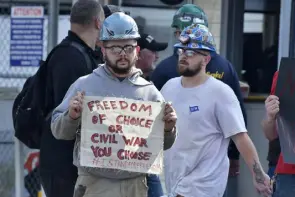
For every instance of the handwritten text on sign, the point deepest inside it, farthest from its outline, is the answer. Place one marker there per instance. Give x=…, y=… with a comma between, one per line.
x=116, y=130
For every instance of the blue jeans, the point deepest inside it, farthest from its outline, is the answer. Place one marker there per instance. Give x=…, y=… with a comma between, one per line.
x=271, y=171
x=285, y=185
x=154, y=185
x=232, y=187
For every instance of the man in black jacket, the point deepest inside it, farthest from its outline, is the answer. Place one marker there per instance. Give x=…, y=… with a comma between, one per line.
x=66, y=65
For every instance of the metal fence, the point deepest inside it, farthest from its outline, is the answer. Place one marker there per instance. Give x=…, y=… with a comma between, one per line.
x=18, y=173
x=6, y=163
x=18, y=165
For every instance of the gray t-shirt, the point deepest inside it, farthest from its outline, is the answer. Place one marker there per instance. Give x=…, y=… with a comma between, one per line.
x=208, y=115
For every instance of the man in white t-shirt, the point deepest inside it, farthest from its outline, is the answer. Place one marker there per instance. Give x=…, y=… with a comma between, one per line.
x=209, y=115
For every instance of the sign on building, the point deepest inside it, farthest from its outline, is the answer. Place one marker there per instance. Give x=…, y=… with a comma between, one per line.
x=26, y=35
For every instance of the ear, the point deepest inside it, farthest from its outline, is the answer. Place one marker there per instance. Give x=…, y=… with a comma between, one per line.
x=103, y=50
x=140, y=56
x=97, y=23
x=207, y=59
x=137, y=49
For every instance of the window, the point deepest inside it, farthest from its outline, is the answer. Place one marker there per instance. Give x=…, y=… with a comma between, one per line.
x=260, y=50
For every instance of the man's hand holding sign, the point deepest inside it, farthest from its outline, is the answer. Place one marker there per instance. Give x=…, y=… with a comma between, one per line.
x=75, y=109
x=169, y=118
x=121, y=133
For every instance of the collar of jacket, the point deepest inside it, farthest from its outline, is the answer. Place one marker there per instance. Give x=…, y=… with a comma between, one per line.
x=74, y=37
x=134, y=77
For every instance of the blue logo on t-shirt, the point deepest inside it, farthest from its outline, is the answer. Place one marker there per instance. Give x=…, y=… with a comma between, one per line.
x=194, y=108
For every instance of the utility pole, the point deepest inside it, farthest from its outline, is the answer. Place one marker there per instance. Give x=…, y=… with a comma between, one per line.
x=53, y=16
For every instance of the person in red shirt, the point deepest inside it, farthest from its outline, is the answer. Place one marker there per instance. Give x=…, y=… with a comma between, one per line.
x=285, y=179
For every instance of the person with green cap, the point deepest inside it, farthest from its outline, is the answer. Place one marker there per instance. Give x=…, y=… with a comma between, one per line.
x=209, y=115
x=218, y=67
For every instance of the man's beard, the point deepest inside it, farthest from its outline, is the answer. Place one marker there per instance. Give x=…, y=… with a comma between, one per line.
x=116, y=69
x=186, y=71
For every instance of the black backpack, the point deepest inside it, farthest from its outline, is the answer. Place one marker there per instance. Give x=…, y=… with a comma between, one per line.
x=29, y=108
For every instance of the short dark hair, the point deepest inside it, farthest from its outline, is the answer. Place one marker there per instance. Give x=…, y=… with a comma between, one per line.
x=111, y=9
x=84, y=11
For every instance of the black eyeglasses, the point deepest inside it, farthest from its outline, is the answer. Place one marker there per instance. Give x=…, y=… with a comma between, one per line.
x=128, y=49
x=189, y=52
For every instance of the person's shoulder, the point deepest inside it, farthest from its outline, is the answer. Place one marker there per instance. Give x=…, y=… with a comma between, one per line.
x=222, y=89
x=137, y=78
x=173, y=81
x=221, y=61
x=69, y=50
x=141, y=81
x=153, y=94
x=218, y=57
x=166, y=62
x=86, y=79
x=66, y=47
x=170, y=84
x=171, y=57
x=82, y=82
x=66, y=55
x=215, y=83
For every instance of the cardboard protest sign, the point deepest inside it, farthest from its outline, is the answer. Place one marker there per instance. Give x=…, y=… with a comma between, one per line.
x=122, y=134
x=285, y=90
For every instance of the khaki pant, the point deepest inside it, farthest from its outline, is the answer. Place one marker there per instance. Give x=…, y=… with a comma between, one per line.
x=90, y=186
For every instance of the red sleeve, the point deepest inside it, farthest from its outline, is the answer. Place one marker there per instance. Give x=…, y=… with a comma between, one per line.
x=274, y=83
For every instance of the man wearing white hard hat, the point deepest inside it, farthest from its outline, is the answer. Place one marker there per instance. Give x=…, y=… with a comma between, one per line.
x=118, y=77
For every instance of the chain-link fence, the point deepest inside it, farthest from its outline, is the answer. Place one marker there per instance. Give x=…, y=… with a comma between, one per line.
x=6, y=163
x=23, y=39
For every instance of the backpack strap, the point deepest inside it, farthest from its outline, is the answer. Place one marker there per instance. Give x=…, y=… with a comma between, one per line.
x=77, y=46
x=81, y=49
x=86, y=56
x=54, y=49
